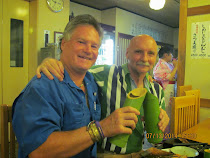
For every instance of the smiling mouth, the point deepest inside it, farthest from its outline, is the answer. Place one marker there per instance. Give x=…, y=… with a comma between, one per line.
x=143, y=65
x=85, y=58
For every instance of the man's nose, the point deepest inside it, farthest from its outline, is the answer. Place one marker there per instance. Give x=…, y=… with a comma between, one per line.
x=88, y=48
x=144, y=57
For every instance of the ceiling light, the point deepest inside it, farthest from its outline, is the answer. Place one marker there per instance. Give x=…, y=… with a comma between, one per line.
x=157, y=4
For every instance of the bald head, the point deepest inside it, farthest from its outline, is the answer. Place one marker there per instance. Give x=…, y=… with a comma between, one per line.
x=141, y=53
x=140, y=39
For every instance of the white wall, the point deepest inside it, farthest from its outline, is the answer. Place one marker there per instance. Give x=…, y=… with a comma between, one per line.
x=204, y=113
x=176, y=37
x=133, y=24
x=197, y=70
x=106, y=16
x=78, y=9
x=109, y=17
x=129, y=23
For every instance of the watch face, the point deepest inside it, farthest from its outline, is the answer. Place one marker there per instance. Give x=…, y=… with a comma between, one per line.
x=55, y=5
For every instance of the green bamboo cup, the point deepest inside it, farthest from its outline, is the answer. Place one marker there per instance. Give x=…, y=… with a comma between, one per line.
x=134, y=99
x=207, y=153
x=151, y=116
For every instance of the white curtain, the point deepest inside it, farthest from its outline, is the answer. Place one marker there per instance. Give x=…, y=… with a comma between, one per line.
x=123, y=42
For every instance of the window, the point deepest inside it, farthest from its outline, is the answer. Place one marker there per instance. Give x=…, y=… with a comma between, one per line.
x=106, y=51
x=16, y=43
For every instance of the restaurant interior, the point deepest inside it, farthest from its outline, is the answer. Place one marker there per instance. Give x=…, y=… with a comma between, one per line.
x=30, y=31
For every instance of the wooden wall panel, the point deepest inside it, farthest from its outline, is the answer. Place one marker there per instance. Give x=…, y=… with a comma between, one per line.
x=182, y=43
x=198, y=10
x=205, y=103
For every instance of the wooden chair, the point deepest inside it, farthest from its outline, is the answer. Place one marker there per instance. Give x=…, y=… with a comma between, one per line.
x=196, y=93
x=181, y=90
x=184, y=113
x=7, y=148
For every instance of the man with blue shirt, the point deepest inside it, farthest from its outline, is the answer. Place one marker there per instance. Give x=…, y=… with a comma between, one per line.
x=115, y=82
x=61, y=119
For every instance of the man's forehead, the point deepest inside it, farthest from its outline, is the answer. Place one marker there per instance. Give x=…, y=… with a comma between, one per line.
x=88, y=33
x=141, y=39
x=145, y=46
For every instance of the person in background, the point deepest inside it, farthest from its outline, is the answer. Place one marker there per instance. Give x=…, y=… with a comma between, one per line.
x=165, y=73
x=115, y=82
x=61, y=119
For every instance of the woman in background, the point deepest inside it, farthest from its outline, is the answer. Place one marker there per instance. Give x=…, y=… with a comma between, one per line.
x=165, y=73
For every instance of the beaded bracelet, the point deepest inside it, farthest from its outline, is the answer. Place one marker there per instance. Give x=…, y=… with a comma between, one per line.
x=91, y=134
x=100, y=129
x=95, y=131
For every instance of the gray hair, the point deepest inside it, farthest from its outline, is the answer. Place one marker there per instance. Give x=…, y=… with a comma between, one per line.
x=84, y=19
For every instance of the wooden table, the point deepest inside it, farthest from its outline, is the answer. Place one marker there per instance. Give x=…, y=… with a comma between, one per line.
x=199, y=132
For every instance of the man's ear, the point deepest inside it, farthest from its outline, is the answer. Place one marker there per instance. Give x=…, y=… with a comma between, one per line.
x=63, y=44
x=126, y=53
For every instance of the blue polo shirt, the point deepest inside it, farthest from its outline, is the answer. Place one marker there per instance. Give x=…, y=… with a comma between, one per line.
x=45, y=106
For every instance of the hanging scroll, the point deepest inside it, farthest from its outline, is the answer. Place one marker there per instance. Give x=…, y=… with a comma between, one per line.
x=200, y=40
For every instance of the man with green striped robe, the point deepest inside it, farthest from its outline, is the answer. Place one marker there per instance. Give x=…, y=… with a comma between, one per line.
x=114, y=83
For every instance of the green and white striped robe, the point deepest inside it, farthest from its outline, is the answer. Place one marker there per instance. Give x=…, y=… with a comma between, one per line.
x=114, y=83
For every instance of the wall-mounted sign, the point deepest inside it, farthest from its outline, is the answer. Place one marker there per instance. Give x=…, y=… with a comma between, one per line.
x=200, y=40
